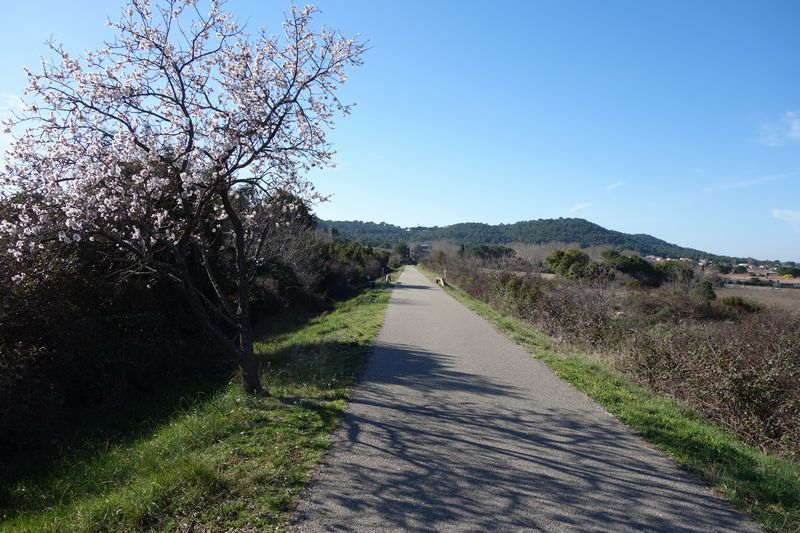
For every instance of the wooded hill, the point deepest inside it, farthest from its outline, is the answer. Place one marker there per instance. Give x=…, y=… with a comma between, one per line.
x=568, y=230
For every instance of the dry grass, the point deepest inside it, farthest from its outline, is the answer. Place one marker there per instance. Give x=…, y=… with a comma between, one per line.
x=788, y=299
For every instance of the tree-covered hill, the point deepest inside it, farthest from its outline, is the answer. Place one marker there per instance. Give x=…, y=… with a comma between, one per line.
x=570, y=230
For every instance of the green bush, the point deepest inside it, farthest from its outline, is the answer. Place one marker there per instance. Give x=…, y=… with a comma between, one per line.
x=789, y=271
x=570, y=263
x=676, y=271
x=705, y=290
x=742, y=304
x=724, y=268
x=76, y=344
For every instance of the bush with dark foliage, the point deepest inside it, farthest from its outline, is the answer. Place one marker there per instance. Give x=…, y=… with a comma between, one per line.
x=78, y=343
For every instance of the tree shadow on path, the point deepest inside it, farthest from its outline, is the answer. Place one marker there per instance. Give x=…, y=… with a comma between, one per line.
x=425, y=447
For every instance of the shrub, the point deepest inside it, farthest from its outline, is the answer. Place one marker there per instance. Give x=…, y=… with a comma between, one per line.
x=636, y=267
x=676, y=271
x=742, y=304
x=789, y=272
x=724, y=268
x=78, y=343
x=568, y=263
x=705, y=290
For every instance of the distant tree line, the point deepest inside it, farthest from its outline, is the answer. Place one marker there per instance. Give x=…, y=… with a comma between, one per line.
x=572, y=230
x=487, y=251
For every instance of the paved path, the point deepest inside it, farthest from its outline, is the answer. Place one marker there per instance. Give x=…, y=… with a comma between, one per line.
x=456, y=428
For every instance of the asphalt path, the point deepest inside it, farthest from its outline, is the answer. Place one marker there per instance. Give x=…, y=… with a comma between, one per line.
x=456, y=428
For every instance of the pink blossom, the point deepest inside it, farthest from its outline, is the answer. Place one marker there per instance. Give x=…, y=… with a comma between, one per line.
x=195, y=109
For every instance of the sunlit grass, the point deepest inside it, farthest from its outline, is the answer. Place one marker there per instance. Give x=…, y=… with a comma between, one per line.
x=224, y=462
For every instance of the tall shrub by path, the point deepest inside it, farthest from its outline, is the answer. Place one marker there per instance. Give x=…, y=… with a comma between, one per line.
x=744, y=374
x=79, y=346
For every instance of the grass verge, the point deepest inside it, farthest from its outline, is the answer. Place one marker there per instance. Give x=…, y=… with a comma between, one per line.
x=766, y=487
x=225, y=461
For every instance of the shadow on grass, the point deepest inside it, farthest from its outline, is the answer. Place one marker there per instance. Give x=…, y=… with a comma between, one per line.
x=89, y=431
x=95, y=432
x=307, y=380
x=325, y=365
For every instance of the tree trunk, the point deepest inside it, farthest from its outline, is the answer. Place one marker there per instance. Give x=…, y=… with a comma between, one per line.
x=243, y=350
x=251, y=375
x=249, y=364
x=251, y=369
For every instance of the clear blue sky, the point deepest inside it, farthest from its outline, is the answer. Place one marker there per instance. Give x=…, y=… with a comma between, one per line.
x=678, y=119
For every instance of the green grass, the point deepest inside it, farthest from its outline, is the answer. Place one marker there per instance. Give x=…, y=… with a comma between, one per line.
x=225, y=461
x=766, y=487
x=396, y=273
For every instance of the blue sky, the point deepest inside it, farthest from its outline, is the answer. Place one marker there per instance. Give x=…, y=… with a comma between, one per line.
x=677, y=119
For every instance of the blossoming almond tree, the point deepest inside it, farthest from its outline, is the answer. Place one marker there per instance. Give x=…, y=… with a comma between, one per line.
x=169, y=143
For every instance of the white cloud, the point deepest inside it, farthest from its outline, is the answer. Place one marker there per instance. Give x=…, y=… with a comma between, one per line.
x=615, y=185
x=741, y=184
x=784, y=131
x=578, y=207
x=789, y=216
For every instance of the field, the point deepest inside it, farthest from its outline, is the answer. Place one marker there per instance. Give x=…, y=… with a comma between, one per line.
x=745, y=278
x=788, y=299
